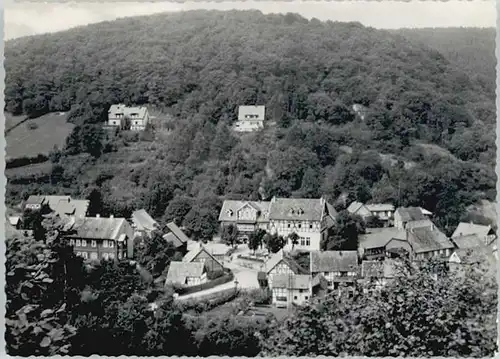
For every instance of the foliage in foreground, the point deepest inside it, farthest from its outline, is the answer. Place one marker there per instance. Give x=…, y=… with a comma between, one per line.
x=418, y=314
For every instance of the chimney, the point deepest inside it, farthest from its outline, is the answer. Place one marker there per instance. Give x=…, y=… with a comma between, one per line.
x=111, y=216
x=98, y=215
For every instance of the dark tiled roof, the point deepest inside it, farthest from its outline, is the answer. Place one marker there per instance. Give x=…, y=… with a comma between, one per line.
x=99, y=228
x=411, y=214
x=379, y=237
x=172, y=238
x=282, y=256
x=297, y=209
x=464, y=229
x=469, y=241
x=35, y=200
x=232, y=207
x=426, y=239
x=334, y=261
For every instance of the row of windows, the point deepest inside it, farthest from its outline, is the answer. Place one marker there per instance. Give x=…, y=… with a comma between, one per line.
x=93, y=243
x=94, y=255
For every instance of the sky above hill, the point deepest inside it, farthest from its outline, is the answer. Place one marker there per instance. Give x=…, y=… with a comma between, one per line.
x=29, y=18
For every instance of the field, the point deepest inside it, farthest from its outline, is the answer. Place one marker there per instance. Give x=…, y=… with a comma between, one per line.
x=25, y=141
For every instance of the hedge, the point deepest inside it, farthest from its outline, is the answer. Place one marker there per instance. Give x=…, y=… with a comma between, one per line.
x=254, y=259
x=25, y=161
x=227, y=277
x=211, y=301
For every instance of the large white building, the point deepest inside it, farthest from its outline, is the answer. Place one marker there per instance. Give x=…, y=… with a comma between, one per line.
x=119, y=115
x=250, y=118
x=308, y=218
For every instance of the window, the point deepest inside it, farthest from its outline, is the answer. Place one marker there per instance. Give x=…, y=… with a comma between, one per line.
x=93, y=243
x=78, y=243
x=295, y=297
x=119, y=255
x=281, y=299
x=105, y=256
x=71, y=242
x=79, y=254
x=85, y=255
x=302, y=242
x=105, y=244
x=308, y=242
x=289, y=225
x=300, y=225
x=111, y=244
x=93, y=255
x=84, y=243
x=111, y=256
x=306, y=297
x=330, y=283
x=310, y=226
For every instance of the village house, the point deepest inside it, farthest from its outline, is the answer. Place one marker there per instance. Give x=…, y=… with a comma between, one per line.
x=201, y=255
x=485, y=233
x=380, y=243
x=101, y=238
x=250, y=118
x=403, y=215
x=15, y=222
x=310, y=219
x=247, y=216
x=34, y=203
x=428, y=242
x=339, y=268
x=177, y=237
x=143, y=223
x=121, y=116
x=382, y=211
x=186, y=273
x=463, y=257
x=375, y=274
x=291, y=289
x=281, y=263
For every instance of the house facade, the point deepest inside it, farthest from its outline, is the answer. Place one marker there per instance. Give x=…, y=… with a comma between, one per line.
x=100, y=238
x=429, y=242
x=201, y=255
x=137, y=117
x=281, y=264
x=340, y=269
x=403, y=215
x=291, y=289
x=186, y=273
x=484, y=232
x=310, y=219
x=34, y=203
x=250, y=118
x=247, y=216
x=381, y=243
x=382, y=211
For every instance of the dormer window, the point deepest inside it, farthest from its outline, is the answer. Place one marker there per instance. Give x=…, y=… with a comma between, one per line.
x=229, y=212
x=292, y=211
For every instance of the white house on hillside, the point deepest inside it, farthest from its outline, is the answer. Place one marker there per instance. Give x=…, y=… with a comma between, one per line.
x=250, y=118
x=119, y=114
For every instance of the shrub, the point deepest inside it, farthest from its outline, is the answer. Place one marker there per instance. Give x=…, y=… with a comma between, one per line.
x=31, y=126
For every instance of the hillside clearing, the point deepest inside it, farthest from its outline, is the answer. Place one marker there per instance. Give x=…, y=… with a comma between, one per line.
x=22, y=141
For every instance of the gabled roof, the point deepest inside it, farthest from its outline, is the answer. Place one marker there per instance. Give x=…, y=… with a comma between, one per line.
x=292, y=281
x=334, y=261
x=191, y=255
x=411, y=213
x=231, y=206
x=14, y=220
x=179, y=234
x=126, y=111
x=379, y=237
x=469, y=241
x=260, y=111
x=354, y=207
x=379, y=207
x=98, y=228
x=143, y=221
x=426, y=239
x=475, y=255
x=464, y=229
x=73, y=207
x=305, y=209
x=178, y=272
x=281, y=256
x=35, y=200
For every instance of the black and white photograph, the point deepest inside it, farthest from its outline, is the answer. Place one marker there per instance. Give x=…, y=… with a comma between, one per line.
x=251, y=179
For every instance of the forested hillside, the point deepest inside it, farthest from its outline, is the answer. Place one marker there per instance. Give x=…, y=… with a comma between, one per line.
x=425, y=113
x=471, y=49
